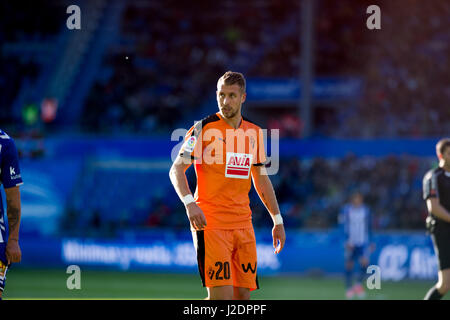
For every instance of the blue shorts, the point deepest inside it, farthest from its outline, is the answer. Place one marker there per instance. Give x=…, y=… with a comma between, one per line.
x=3, y=265
x=356, y=253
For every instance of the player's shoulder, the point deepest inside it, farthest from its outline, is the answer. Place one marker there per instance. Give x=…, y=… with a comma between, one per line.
x=4, y=135
x=5, y=139
x=432, y=173
x=251, y=123
x=211, y=119
x=198, y=126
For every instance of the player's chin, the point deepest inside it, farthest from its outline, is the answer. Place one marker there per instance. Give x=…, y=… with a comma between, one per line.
x=228, y=113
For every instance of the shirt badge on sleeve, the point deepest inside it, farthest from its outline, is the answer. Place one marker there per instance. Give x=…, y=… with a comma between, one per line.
x=190, y=143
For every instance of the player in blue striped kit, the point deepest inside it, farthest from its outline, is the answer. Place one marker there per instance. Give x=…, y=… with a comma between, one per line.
x=11, y=179
x=355, y=218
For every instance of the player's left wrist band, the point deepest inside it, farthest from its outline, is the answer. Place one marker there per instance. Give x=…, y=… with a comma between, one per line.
x=187, y=199
x=277, y=219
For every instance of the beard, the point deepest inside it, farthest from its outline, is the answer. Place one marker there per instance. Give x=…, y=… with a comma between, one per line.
x=230, y=114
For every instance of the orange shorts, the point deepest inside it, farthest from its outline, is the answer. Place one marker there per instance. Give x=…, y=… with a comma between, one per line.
x=227, y=257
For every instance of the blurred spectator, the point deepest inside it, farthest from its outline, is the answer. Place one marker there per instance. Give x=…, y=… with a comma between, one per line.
x=289, y=126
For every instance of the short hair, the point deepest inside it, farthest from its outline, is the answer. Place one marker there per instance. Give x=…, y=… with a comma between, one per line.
x=442, y=145
x=229, y=78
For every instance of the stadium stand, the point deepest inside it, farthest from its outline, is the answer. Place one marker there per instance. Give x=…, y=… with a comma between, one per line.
x=26, y=38
x=310, y=194
x=140, y=88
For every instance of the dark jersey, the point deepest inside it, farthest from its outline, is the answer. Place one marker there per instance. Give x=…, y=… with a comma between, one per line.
x=9, y=173
x=436, y=184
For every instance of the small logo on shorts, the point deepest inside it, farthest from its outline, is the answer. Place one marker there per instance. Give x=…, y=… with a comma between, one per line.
x=210, y=273
x=249, y=267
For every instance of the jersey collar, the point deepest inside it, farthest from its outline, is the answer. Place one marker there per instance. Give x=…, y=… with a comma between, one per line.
x=240, y=125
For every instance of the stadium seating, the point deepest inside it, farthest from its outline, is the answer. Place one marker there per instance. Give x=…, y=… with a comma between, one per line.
x=310, y=192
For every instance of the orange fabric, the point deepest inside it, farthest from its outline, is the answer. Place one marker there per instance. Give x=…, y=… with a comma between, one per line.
x=224, y=157
x=230, y=258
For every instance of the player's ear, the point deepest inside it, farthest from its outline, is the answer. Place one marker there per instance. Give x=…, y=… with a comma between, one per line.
x=243, y=97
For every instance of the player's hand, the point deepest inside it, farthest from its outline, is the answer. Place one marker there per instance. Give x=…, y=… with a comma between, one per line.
x=196, y=216
x=13, y=253
x=348, y=246
x=279, y=237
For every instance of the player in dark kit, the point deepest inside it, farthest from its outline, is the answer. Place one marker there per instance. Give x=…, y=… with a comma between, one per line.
x=436, y=192
x=11, y=179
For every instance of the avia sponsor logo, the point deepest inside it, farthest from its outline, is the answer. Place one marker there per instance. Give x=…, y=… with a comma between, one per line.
x=238, y=165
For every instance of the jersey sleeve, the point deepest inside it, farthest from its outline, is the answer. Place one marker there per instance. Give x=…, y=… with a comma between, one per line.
x=430, y=186
x=10, y=175
x=261, y=150
x=191, y=147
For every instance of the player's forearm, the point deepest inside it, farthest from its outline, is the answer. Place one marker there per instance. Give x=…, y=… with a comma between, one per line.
x=179, y=182
x=13, y=212
x=264, y=188
x=438, y=210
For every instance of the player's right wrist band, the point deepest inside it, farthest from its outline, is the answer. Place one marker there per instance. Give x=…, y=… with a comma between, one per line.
x=277, y=219
x=187, y=199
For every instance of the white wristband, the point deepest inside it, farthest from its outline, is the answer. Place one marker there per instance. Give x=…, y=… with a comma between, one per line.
x=188, y=199
x=277, y=219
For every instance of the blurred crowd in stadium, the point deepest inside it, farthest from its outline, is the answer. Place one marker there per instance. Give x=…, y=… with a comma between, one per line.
x=311, y=193
x=162, y=70
x=174, y=64
x=21, y=30
x=404, y=75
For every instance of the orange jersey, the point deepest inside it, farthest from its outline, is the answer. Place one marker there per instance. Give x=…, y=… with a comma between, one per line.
x=223, y=158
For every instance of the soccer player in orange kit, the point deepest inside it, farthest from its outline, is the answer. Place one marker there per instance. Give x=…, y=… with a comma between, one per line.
x=226, y=149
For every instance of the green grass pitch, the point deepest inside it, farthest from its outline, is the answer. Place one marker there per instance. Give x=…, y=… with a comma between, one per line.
x=95, y=284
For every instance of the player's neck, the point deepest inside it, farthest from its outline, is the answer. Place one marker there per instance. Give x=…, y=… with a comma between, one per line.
x=234, y=122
